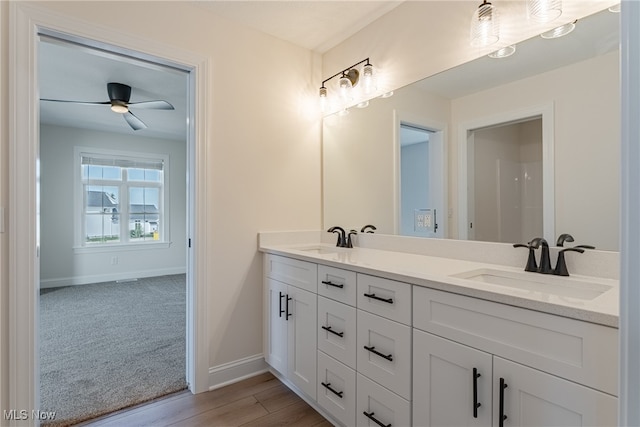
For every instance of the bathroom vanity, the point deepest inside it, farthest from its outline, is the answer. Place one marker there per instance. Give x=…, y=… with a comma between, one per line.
x=390, y=338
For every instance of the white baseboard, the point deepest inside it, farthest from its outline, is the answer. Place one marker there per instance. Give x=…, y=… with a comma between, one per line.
x=238, y=370
x=98, y=278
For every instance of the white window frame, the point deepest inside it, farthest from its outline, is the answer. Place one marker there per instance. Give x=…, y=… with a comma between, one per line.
x=79, y=218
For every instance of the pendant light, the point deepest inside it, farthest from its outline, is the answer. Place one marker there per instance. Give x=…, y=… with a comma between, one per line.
x=544, y=10
x=485, y=26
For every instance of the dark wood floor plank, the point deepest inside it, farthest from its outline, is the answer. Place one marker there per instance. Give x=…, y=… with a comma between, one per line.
x=231, y=415
x=277, y=398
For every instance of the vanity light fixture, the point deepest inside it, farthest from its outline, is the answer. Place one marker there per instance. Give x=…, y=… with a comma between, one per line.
x=349, y=78
x=503, y=52
x=560, y=31
x=485, y=26
x=544, y=10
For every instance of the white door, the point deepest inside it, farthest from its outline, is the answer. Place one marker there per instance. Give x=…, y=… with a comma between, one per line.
x=276, y=346
x=533, y=398
x=451, y=383
x=301, y=310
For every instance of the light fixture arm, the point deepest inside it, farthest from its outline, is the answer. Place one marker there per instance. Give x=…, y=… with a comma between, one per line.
x=345, y=72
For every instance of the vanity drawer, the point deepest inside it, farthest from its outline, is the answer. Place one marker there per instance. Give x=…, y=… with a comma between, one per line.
x=568, y=348
x=337, y=330
x=337, y=389
x=292, y=272
x=380, y=404
x=384, y=297
x=337, y=284
x=384, y=352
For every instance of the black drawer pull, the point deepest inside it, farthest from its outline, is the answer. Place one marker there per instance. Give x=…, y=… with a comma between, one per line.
x=374, y=296
x=328, y=329
x=328, y=387
x=372, y=418
x=287, y=307
x=502, y=416
x=384, y=356
x=476, y=404
x=328, y=283
x=280, y=304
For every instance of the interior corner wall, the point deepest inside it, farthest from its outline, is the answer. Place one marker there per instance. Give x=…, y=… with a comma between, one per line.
x=60, y=264
x=4, y=197
x=262, y=148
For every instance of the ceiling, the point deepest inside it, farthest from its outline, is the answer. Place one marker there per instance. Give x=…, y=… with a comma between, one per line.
x=76, y=73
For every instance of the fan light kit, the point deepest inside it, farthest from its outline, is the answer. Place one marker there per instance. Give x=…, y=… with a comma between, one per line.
x=119, y=96
x=349, y=79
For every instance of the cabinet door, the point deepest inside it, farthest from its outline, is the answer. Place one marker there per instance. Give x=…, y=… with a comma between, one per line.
x=337, y=389
x=444, y=382
x=377, y=406
x=301, y=358
x=276, y=334
x=535, y=398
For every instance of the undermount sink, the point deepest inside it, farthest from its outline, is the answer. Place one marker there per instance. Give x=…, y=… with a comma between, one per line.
x=320, y=250
x=535, y=282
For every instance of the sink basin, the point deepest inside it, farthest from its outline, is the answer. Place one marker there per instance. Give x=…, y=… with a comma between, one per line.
x=320, y=250
x=539, y=283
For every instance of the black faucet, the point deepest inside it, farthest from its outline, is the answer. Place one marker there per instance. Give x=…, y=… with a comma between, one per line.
x=545, y=260
x=349, y=242
x=342, y=238
x=564, y=238
x=561, y=265
x=368, y=228
x=532, y=265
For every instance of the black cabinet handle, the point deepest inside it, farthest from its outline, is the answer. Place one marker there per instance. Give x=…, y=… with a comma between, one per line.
x=502, y=416
x=280, y=304
x=328, y=387
x=374, y=351
x=374, y=296
x=328, y=329
x=287, y=307
x=328, y=283
x=372, y=418
x=476, y=404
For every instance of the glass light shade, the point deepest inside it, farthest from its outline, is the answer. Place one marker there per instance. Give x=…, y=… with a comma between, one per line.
x=368, y=79
x=119, y=108
x=544, y=10
x=560, y=31
x=345, y=88
x=615, y=8
x=323, y=99
x=363, y=104
x=485, y=26
x=504, y=52
x=343, y=112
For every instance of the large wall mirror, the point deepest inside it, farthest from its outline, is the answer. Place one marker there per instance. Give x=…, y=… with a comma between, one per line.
x=500, y=150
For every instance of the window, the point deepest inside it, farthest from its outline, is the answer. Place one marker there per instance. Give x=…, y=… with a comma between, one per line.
x=121, y=199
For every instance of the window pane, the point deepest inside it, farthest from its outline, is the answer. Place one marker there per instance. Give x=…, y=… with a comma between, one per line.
x=102, y=198
x=101, y=172
x=147, y=175
x=144, y=216
x=102, y=228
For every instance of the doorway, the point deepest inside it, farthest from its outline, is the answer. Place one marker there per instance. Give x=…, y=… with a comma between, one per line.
x=24, y=234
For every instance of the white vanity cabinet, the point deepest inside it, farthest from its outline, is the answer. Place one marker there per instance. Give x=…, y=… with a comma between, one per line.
x=290, y=336
x=523, y=356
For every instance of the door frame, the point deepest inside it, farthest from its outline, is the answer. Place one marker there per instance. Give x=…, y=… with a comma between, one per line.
x=439, y=161
x=26, y=22
x=546, y=112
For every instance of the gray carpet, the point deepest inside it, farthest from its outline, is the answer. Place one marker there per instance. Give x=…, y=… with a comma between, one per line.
x=107, y=346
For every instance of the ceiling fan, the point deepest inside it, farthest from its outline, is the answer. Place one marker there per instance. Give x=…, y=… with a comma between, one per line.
x=119, y=95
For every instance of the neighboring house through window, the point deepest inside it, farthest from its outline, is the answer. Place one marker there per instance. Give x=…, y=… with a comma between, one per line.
x=120, y=198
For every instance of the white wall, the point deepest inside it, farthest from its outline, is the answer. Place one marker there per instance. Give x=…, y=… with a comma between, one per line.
x=263, y=149
x=60, y=265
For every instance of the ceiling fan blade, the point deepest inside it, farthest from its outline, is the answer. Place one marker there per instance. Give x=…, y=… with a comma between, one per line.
x=77, y=102
x=152, y=105
x=134, y=122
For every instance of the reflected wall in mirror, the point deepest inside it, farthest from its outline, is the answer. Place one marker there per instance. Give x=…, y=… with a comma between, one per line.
x=575, y=79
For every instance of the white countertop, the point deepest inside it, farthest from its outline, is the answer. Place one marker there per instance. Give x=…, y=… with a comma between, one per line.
x=438, y=273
